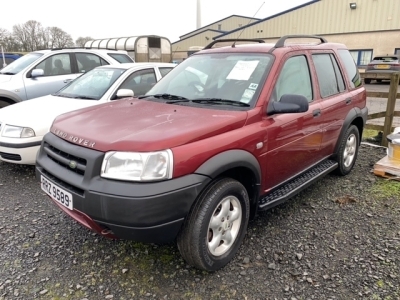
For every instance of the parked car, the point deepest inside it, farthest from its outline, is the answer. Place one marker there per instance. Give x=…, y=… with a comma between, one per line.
x=23, y=125
x=203, y=151
x=44, y=72
x=8, y=58
x=382, y=65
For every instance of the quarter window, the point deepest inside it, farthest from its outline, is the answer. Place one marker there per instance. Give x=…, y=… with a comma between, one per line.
x=351, y=68
x=294, y=79
x=164, y=71
x=329, y=77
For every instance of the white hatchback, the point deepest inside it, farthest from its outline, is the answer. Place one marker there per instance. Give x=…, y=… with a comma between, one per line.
x=23, y=125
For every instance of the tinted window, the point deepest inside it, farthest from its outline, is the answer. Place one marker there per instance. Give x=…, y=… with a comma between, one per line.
x=165, y=71
x=59, y=64
x=88, y=61
x=350, y=67
x=121, y=58
x=140, y=82
x=294, y=79
x=328, y=84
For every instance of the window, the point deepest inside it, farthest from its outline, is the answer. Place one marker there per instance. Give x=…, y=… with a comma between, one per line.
x=294, y=79
x=88, y=61
x=140, y=82
x=164, y=71
x=329, y=77
x=219, y=27
x=59, y=64
x=397, y=51
x=361, y=57
x=121, y=58
x=350, y=67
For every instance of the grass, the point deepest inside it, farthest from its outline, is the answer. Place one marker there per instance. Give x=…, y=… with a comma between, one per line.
x=384, y=188
x=368, y=133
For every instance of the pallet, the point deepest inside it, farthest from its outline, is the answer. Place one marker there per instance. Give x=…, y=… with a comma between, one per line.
x=388, y=168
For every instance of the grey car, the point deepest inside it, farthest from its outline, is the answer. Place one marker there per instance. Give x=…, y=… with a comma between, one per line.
x=382, y=64
x=45, y=72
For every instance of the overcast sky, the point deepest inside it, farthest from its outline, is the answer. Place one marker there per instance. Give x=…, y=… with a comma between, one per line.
x=120, y=18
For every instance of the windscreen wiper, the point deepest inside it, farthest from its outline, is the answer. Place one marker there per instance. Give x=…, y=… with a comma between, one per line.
x=165, y=96
x=219, y=101
x=7, y=73
x=85, y=98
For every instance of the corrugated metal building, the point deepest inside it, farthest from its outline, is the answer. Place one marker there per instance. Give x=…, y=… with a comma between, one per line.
x=367, y=27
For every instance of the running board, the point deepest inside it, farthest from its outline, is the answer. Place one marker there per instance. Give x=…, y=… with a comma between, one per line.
x=296, y=185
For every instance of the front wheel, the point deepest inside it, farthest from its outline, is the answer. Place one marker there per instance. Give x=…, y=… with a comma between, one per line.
x=3, y=103
x=348, y=151
x=215, y=226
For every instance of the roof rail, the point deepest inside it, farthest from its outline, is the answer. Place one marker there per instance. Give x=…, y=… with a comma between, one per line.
x=210, y=45
x=281, y=42
x=95, y=48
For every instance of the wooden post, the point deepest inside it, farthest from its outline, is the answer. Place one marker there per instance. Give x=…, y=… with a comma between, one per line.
x=387, y=126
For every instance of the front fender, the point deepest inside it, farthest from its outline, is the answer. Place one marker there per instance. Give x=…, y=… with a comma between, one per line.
x=228, y=160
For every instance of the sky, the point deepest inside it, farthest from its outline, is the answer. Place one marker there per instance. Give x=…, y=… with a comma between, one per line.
x=123, y=18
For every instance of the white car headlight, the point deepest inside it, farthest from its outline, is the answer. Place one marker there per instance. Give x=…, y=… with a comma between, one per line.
x=138, y=166
x=18, y=132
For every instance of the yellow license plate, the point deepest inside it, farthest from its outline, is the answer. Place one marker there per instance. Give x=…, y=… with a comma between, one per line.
x=382, y=67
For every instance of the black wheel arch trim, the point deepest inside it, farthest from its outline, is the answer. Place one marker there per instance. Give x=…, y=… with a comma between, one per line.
x=230, y=159
x=356, y=112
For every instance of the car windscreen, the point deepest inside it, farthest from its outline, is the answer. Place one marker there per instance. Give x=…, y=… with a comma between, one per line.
x=91, y=85
x=232, y=77
x=21, y=63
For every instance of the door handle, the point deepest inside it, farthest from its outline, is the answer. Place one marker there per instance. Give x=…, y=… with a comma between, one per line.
x=316, y=113
x=67, y=80
x=348, y=100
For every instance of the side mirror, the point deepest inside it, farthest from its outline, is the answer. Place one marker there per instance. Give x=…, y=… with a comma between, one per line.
x=289, y=103
x=124, y=93
x=37, y=73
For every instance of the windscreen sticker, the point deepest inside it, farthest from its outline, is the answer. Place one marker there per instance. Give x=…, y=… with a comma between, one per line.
x=247, y=96
x=243, y=70
x=253, y=86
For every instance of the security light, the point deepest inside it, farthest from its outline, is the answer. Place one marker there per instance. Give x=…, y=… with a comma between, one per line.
x=353, y=5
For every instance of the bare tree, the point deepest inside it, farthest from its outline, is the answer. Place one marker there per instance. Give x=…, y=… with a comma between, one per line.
x=59, y=38
x=29, y=35
x=81, y=41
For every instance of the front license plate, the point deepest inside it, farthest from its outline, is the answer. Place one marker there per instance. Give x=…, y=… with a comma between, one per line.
x=60, y=195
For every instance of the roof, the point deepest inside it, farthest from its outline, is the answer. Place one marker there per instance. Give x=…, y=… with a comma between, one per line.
x=79, y=49
x=128, y=66
x=205, y=30
x=267, y=18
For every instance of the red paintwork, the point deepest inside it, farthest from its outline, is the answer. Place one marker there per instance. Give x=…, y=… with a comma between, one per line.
x=291, y=142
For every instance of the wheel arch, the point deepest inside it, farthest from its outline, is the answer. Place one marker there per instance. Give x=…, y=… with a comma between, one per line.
x=239, y=165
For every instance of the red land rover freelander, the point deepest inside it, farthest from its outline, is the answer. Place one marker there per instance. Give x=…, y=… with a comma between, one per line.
x=230, y=131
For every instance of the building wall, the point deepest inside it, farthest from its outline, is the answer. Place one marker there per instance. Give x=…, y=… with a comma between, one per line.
x=328, y=17
x=228, y=24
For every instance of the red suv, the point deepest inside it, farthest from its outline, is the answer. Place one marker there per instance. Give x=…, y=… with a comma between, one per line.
x=228, y=132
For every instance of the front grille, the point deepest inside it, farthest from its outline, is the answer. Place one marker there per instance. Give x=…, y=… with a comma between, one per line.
x=70, y=162
x=10, y=156
x=62, y=183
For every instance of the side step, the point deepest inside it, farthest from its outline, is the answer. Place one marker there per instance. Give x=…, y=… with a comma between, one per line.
x=296, y=185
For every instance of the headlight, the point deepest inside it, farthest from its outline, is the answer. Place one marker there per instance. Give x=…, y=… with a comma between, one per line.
x=18, y=132
x=138, y=166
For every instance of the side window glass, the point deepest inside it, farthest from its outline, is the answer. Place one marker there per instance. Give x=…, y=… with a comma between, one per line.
x=339, y=76
x=294, y=79
x=350, y=67
x=327, y=80
x=164, y=71
x=59, y=64
x=88, y=61
x=140, y=82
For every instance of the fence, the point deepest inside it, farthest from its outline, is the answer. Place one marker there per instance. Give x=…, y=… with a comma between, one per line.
x=391, y=96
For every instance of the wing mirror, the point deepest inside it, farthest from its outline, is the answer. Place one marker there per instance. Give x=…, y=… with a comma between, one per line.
x=124, y=93
x=288, y=103
x=37, y=73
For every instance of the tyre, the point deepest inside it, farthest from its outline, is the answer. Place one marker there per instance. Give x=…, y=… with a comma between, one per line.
x=3, y=103
x=367, y=80
x=348, y=151
x=215, y=226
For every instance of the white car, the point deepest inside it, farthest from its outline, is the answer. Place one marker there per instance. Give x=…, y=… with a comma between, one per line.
x=23, y=125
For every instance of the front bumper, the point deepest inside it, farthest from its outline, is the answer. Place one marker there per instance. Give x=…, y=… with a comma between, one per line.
x=19, y=153
x=144, y=212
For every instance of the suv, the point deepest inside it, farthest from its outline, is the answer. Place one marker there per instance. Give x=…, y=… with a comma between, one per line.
x=8, y=58
x=382, y=65
x=229, y=132
x=45, y=72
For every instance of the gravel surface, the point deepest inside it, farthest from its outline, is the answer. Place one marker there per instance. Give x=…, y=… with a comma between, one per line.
x=336, y=240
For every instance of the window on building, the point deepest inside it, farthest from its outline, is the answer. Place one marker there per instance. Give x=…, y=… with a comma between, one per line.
x=361, y=57
x=397, y=51
x=219, y=26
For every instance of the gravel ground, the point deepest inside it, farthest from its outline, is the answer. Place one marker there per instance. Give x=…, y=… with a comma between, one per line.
x=336, y=240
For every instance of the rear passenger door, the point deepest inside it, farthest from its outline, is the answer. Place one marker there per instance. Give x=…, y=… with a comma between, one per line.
x=335, y=98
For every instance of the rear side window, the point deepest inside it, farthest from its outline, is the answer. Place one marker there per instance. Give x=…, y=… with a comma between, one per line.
x=121, y=58
x=329, y=77
x=351, y=68
x=88, y=61
x=164, y=71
